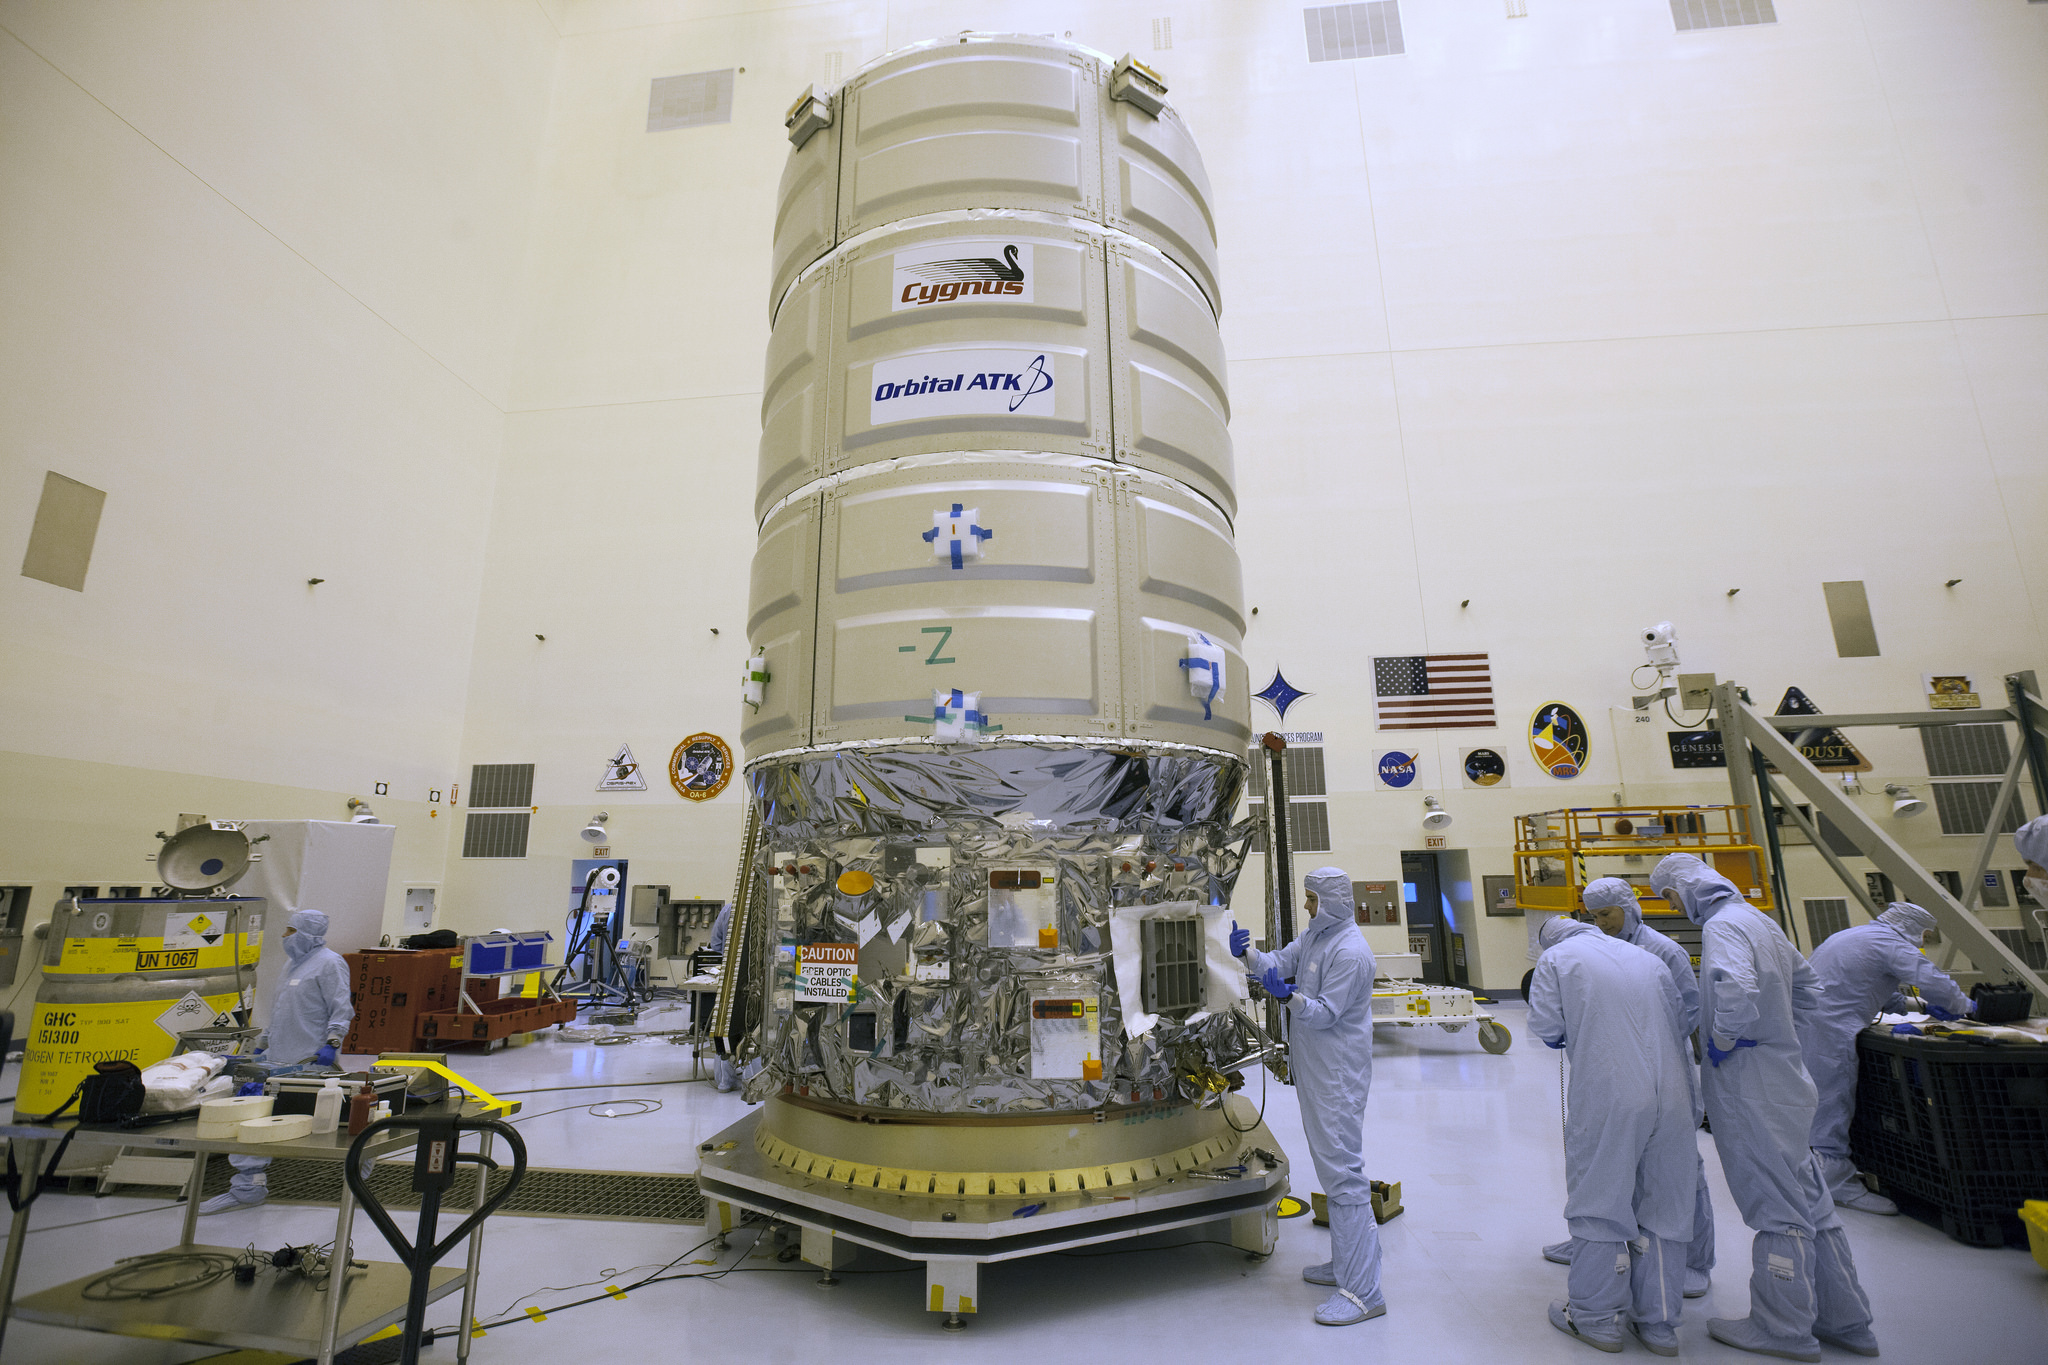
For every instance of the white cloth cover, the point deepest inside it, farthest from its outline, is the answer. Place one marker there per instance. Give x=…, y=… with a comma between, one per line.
x=1224, y=982
x=179, y=1082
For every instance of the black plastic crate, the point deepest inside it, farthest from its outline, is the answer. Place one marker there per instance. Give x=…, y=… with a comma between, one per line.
x=1954, y=1125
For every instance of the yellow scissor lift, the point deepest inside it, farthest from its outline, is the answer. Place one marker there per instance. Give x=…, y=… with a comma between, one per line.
x=1557, y=852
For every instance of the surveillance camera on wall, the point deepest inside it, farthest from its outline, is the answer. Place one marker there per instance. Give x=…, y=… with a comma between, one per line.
x=1660, y=646
x=1660, y=643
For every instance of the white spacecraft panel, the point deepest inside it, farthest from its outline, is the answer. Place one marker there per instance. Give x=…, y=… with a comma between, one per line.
x=1026, y=618
x=782, y=612
x=793, y=398
x=1180, y=577
x=1005, y=129
x=1172, y=412
x=1160, y=192
x=806, y=210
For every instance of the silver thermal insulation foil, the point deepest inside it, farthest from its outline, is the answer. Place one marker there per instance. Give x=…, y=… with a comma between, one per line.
x=972, y=883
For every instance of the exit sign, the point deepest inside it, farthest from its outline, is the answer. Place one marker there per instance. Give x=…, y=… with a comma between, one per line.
x=1433, y=840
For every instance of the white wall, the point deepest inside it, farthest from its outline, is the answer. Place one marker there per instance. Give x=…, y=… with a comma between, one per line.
x=1575, y=317
x=259, y=276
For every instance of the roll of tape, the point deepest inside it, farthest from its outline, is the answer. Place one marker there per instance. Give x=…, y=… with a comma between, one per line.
x=218, y=1118
x=274, y=1128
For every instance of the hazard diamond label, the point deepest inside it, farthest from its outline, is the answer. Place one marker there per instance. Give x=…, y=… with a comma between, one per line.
x=189, y=1011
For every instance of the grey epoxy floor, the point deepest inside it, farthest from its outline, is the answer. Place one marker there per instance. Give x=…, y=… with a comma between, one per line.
x=1474, y=1140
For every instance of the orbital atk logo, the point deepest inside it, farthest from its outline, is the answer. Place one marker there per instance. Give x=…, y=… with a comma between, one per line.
x=961, y=270
x=957, y=383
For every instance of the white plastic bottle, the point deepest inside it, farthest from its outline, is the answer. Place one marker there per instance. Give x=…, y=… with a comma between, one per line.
x=327, y=1105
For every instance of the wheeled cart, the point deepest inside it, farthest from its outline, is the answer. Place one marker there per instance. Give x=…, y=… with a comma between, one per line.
x=1409, y=1004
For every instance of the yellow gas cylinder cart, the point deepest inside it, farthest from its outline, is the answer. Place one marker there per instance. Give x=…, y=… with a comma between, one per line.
x=123, y=978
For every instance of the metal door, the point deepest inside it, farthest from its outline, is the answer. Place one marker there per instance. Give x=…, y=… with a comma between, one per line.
x=1426, y=934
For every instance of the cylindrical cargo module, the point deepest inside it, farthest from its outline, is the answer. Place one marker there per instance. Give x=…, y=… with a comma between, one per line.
x=1000, y=740
x=123, y=978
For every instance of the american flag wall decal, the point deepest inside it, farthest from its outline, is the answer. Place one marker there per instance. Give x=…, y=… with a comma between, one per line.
x=1433, y=692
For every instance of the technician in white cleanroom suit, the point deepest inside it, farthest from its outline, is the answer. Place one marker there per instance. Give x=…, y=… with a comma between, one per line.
x=724, y=1074
x=2031, y=839
x=1329, y=1012
x=1860, y=969
x=1612, y=904
x=1630, y=1155
x=308, y=1020
x=1754, y=986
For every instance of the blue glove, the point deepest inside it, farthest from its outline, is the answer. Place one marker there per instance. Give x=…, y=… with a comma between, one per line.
x=1240, y=940
x=249, y=1088
x=1941, y=1014
x=1717, y=1056
x=1558, y=1044
x=1275, y=987
x=325, y=1056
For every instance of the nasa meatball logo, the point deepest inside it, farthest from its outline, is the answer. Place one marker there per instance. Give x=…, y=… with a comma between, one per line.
x=1557, y=737
x=977, y=383
x=1485, y=768
x=1397, y=768
x=961, y=270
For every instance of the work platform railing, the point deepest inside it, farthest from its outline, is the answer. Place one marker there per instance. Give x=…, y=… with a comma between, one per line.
x=1754, y=744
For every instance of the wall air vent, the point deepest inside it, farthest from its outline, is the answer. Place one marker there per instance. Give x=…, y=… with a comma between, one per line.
x=495, y=833
x=1965, y=807
x=693, y=101
x=1692, y=14
x=1965, y=750
x=1825, y=917
x=1343, y=33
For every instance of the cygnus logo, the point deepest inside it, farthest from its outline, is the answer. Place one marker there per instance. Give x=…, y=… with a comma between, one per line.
x=961, y=270
x=962, y=383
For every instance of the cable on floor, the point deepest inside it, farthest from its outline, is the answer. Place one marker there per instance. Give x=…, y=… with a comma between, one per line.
x=122, y=1283
x=658, y=1278
x=648, y=1107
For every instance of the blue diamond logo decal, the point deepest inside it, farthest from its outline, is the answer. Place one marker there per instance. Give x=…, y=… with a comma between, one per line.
x=1281, y=694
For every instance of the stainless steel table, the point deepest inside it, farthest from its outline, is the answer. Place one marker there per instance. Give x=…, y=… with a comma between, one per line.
x=274, y=1314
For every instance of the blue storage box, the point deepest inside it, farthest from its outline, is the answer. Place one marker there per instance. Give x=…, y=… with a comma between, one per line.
x=530, y=949
x=489, y=953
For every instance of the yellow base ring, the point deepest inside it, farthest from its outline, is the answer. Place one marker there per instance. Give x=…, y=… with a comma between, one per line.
x=1115, y=1173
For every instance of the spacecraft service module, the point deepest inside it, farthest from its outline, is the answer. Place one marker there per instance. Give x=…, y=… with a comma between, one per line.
x=996, y=713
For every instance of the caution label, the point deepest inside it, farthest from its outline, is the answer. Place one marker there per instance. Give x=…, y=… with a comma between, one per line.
x=64, y=1041
x=825, y=971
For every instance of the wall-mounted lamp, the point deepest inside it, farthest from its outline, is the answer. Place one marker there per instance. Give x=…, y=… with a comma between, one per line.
x=595, y=832
x=1435, y=818
x=359, y=812
x=1905, y=805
